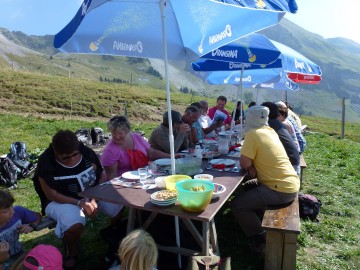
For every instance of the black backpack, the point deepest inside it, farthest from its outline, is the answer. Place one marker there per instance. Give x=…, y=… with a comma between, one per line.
x=8, y=173
x=309, y=207
x=20, y=157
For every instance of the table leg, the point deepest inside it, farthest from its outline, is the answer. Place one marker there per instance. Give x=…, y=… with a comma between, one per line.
x=213, y=238
x=177, y=230
x=206, y=234
x=131, y=220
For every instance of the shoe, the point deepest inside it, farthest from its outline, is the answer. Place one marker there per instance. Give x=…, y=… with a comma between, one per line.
x=70, y=262
x=256, y=243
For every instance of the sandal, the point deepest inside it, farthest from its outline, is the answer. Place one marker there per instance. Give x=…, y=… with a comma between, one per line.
x=70, y=262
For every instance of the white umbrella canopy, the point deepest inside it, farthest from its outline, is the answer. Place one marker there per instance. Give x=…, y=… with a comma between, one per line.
x=165, y=29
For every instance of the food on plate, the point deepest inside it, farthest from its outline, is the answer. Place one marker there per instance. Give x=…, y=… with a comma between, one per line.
x=198, y=188
x=164, y=195
x=207, y=177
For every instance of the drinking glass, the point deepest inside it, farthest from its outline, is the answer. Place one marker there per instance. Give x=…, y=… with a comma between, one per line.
x=142, y=174
x=209, y=156
x=152, y=168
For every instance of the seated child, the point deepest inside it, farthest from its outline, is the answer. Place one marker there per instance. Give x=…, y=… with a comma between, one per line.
x=14, y=220
x=138, y=251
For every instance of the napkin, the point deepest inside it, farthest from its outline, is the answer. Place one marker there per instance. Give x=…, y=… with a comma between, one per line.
x=232, y=148
x=220, y=166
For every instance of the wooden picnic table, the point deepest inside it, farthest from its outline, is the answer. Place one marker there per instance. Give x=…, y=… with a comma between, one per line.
x=139, y=199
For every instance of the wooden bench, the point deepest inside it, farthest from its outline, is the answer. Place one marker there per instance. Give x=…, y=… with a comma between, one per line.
x=46, y=222
x=302, y=167
x=282, y=226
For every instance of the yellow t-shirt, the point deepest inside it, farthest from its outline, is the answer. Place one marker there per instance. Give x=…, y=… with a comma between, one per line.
x=272, y=164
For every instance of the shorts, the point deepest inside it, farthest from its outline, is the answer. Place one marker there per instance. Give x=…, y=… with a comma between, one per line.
x=67, y=215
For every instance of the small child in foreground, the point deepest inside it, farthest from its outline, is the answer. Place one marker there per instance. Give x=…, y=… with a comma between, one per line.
x=14, y=220
x=138, y=251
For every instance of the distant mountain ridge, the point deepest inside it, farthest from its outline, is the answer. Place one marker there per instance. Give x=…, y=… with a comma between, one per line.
x=338, y=58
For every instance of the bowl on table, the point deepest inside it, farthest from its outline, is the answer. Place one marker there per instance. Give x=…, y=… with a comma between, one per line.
x=160, y=181
x=194, y=195
x=188, y=165
x=218, y=189
x=204, y=176
x=171, y=180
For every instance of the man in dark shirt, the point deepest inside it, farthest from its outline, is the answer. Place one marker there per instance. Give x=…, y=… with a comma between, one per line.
x=66, y=168
x=284, y=135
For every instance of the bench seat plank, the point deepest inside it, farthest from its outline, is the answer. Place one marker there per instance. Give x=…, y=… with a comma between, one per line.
x=284, y=219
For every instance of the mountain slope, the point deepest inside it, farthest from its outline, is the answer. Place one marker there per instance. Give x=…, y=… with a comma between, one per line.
x=339, y=59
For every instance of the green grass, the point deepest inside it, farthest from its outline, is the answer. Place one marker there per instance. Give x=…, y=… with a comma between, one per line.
x=332, y=175
x=39, y=105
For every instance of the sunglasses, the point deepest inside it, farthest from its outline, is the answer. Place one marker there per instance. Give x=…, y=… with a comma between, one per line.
x=70, y=156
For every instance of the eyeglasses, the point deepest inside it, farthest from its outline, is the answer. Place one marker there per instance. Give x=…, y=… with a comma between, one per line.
x=70, y=156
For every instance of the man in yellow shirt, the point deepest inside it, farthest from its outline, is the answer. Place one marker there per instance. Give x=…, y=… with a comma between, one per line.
x=264, y=157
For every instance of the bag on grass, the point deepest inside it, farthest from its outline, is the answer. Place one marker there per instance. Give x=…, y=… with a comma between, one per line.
x=309, y=206
x=20, y=157
x=215, y=263
x=8, y=172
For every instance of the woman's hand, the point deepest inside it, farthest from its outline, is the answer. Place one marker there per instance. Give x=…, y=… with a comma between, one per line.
x=25, y=228
x=90, y=208
x=184, y=128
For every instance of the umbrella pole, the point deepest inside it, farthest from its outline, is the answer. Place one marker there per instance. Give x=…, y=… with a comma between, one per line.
x=233, y=115
x=168, y=98
x=241, y=96
x=171, y=135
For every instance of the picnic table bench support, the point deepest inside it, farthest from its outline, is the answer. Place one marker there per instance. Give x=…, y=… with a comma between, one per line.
x=46, y=222
x=302, y=167
x=282, y=226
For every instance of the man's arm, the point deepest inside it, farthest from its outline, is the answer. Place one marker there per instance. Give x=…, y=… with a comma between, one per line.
x=89, y=207
x=246, y=163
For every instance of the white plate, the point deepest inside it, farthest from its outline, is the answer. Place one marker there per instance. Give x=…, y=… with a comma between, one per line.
x=153, y=196
x=221, y=189
x=133, y=175
x=226, y=133
x=163, y=204
x=163, y=162
x=205, y=141
x=227, y=162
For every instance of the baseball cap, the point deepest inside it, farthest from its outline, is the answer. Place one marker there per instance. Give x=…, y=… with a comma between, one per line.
x=43, y=257
x=256, y=117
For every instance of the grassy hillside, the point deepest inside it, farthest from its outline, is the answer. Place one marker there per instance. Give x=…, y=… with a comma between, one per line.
x=332, y=175
x=337, y=58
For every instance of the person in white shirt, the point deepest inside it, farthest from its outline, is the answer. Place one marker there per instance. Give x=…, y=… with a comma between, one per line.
x=205, y=121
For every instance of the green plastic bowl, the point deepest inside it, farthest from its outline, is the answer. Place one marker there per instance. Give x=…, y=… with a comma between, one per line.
x=194, y=201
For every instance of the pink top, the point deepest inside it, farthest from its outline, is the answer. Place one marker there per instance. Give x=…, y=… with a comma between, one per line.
x=114, y=153
x=211, y=113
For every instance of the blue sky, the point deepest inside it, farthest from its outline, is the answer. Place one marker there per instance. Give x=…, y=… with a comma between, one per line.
x=40, y=17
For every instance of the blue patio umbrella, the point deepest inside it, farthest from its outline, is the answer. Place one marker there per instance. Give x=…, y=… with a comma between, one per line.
x=294, y=65
x=165, y=29
x=289, y=6
x=289, y=68
x=273, y=78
